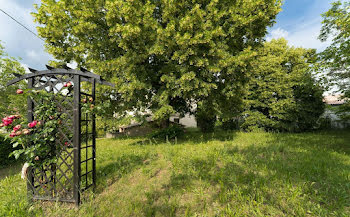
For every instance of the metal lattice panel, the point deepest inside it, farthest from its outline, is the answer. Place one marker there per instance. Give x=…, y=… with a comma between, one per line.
x=57, y=181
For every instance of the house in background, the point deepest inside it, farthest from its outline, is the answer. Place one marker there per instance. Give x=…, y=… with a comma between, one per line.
x=187, y=121
x=332, y=102
x=138, y=129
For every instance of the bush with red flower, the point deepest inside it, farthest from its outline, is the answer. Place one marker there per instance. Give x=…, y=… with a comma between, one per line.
x=36, y=140
x=39, y=141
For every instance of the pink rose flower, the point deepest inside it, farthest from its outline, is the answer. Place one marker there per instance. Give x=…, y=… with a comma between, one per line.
x=17, y=127
x=26, y=131
x=2, y=125
x=32, y=124
x=12, y=135
x=18, y=133
x=19, y=91
x=12, y=117
x=7, y=121
x=68, y=84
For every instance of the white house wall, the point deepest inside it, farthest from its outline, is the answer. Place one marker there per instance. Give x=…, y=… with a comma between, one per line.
x=187, y=121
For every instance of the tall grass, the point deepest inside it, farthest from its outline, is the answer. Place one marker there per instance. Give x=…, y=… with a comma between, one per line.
x=220, y=174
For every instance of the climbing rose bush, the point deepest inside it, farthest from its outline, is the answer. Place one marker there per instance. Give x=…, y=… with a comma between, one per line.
x=37, y=139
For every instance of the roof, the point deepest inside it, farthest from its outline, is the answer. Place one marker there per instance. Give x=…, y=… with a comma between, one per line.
x=334, y=100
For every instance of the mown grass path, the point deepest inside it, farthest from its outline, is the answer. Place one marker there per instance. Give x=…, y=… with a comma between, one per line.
x=221, y=174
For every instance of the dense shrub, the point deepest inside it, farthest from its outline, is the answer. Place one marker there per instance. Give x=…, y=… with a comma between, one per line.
x=206, y=123
x=5, y=150
x=232, y=124
x=325, y=123
x=282, y=93
x=171, y=132
x=206, y=116
x=309, y=105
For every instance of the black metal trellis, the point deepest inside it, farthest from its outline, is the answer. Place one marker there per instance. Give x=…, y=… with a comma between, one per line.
x=75, y=168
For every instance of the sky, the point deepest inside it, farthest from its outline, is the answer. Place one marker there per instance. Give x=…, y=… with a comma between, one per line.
x=299, y=23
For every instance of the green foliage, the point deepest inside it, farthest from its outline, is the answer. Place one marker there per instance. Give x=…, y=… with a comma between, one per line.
x=231, y=124
x=283, y=96
x=335, y=59
x=162, y=55
x=342, y=112
x=325, y=123
x=36, y=141
x=10, y=103
x=206, y=116
x=5, y=150
x=308, y=96
x=171, y=132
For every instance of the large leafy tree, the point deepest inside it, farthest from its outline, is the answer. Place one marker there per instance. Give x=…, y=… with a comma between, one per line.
x=164, y=55
x=9, y=102
x=283, y=96
x=336, y=58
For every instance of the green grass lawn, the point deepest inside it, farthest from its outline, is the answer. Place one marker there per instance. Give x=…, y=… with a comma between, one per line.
x=221, y=174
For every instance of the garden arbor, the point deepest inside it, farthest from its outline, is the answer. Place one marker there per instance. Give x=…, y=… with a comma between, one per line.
x=74, y=170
